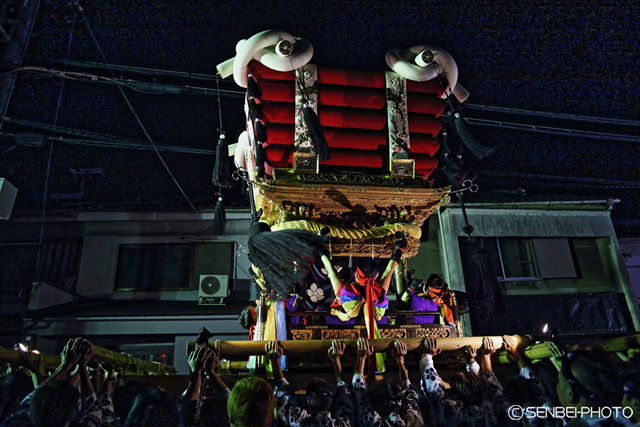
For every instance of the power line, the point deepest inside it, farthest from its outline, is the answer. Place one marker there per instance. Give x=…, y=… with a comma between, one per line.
x=551, y=115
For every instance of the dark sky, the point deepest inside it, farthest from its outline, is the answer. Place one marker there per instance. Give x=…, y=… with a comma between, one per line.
x=578, y=58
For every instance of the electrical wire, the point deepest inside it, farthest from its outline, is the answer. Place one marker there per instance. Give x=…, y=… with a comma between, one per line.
x=86, y=21
x=48, y=173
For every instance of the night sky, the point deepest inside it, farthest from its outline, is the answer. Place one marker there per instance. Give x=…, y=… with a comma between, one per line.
x=578, y=58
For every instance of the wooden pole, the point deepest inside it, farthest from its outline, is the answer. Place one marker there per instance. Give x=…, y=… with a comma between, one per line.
x=119, y=360
x=541, y=350
x=248, y=348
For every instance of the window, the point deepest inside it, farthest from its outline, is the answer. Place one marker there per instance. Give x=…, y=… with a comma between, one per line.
x=173, y=266
x=154, y=267
x=517, y=258
x=535, y=258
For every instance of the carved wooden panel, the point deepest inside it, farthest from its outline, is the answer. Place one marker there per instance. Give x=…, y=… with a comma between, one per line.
x=393, y=333
x=433, y=332
x=352, y=206
x=302, y=334
x=340, y=334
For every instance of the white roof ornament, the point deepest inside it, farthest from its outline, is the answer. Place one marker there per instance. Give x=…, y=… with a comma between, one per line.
x=426, y=62
x=277, y=50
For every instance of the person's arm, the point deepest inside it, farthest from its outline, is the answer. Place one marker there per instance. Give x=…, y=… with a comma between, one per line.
x=335, y=353
x=396, y=255
x=25, y=359
x=363, y=352
x=274, y=352
x=557, y=354
x=398, y=352
x=86, y=354
x=197, y=361
x=334, y=277
x=219, y=385
x=109, y=379
x=487, y=350
x=68, y=360
x=470, y=353
x=432, y=383
x=511, y=345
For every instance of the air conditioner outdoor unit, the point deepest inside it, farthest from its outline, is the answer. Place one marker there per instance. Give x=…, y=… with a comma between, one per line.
x=213, y=289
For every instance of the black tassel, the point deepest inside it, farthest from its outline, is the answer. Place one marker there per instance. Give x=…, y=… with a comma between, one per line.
x=315, y=132
x=478, y=150
x=221, y=173
x=261, y=132
x=255, y=112
x=451, y=169
x=261, y=158
x=219, y=219
x=253, y=88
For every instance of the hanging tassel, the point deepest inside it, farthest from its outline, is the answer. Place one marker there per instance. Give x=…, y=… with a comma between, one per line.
x=451, y=169
x=253, y=88
x=261, y=158
x=315, y=132
x=221, y=173
x=261, y=132
x=219, y=219
x=478, y=150
x=255, y=112
x=284, y=257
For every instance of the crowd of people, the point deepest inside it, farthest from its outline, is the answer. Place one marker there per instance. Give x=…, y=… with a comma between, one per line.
x=587, y=385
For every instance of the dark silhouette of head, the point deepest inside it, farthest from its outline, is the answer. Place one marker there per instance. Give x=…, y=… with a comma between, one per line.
x=368, y=266
x=319, y=396
x=125, y=394
x=54, y=404
x=246, y=318
x=14, y=387
x=387, y=398
x=521, y=391
x=467, y=387
x=153, y=409
x=251, y=403
x=213, y=412
x=436, y=281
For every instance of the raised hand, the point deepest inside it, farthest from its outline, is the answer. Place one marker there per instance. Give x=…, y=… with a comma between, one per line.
x=488, y=346
x=337, y=350
x=364, y=349
x=399, y=350
x=469, y=353
x=70, y=354
x=431, y=347
x=85, y=352
x=198, y=358
x=510, y=343
x=274, y=350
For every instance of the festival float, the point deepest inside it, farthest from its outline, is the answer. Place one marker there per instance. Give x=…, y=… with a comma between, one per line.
x=350, y=152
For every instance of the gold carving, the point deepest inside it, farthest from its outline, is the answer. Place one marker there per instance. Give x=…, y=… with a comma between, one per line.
x=310, y=186
x=343, y=334
x=301, y=334
x=335, y=204
x=433, y=332
x=393, y=333
x=400, y=190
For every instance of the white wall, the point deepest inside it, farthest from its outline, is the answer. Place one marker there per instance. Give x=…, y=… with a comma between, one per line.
x=105, y=232
x=532, y=223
